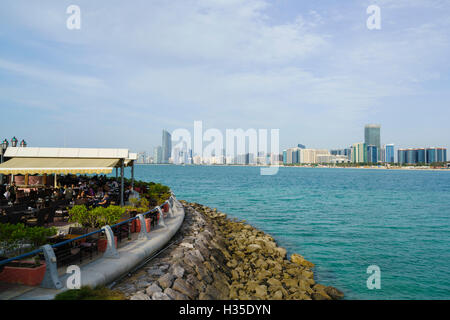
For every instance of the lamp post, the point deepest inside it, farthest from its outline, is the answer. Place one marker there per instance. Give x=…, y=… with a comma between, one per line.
x=3, y=148
x=14, y=142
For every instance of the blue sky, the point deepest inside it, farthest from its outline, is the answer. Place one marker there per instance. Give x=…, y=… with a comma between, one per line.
x=310, y=68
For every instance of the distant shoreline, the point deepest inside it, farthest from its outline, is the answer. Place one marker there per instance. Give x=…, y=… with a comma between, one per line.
x=310, y=167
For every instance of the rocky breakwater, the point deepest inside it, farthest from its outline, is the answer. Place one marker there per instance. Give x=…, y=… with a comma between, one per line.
x=214, y=257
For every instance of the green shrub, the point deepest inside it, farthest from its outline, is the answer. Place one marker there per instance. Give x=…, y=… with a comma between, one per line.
x=97, y=217
x=14, y=236
x=87, y=293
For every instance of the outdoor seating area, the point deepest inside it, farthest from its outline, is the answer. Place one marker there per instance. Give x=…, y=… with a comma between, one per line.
x=65, y=203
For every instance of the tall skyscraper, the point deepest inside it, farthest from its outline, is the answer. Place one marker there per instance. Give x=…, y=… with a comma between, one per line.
x=359, y=153
x=166, y=146
x=372, y=154
x=389, y=153
x=372, y=135
x=157, y=155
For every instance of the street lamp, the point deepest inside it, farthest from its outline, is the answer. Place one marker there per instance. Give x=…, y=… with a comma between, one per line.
x=14, y=142
x=23, y=144
x=4, y=146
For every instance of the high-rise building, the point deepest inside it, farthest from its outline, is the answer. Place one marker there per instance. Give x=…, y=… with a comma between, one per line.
x=359, y=153
x=389, y=153
x=436, y=155
x=422, y=155
x=157, y=155
x=166, y=146
x=372, y=154
x=372, y=135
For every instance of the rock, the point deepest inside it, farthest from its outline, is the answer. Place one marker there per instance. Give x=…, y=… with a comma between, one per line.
x=164, y=267
x=197, y=253
x=274, y=282
x=278, y=295
x=261, y=291
x=213, y=292
x=142, y=284
x=298, y=259
x=334, y=293
x=140, y=296
x=160, y=296
x=166, y=280
x=155, y=272
x=281, y=252
x=320, y=295
x=185, y=288
x=203, y=274
x=187, y=245
x=178, y=271
x=204, y=296
x=254, y=247
x=175, y=295
x=152, y=289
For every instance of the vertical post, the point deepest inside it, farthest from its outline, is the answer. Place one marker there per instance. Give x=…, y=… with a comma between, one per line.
x=26, y=179
x=56, y=180
x=111, y=250
x=121, y=182
x=1, y=161
x=117, y=173
x=51, y=279
x=132, y=176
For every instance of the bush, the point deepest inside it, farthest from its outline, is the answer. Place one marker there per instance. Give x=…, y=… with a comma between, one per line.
x=14, y=236
x=87, y=293
x=97, y=217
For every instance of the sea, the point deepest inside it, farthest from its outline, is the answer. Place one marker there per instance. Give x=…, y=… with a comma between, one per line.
x=343, y=220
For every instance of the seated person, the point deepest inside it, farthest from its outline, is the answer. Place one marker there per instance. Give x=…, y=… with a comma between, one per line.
x=104, y=202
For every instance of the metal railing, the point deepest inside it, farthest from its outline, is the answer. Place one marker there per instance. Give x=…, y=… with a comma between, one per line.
x=62, y=243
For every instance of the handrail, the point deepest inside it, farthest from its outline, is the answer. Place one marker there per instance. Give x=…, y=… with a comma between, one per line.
x=59, y=244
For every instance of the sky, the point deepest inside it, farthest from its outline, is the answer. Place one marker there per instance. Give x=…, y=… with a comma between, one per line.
x=309, y=68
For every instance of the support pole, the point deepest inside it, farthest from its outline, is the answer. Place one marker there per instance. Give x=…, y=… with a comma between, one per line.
x=161, y=218
x=132, y=176
x=117, y=173
x=143, y=234
x=121, y=183
x=111, y=250
x=51, y=279
x=56, y=181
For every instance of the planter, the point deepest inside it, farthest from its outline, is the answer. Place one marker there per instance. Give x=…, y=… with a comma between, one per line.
x=103, y=244
x=138, y=225
x=2, y=266
x=29, y=276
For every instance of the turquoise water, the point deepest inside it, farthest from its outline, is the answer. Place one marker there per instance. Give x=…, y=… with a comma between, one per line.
x=343, y=220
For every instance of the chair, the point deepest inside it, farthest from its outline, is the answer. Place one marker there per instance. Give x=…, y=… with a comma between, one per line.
x=122, y=231
x=51, y=216
x=41, y=218
x=15, y=217
x=68, y=253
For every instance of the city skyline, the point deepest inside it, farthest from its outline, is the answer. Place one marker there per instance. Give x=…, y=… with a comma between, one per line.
x=312, y=70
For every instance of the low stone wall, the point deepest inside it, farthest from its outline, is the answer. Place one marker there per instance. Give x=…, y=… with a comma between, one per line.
x=214, y=257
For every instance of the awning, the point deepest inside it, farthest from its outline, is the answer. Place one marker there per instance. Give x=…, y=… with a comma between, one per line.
x=58, y=166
